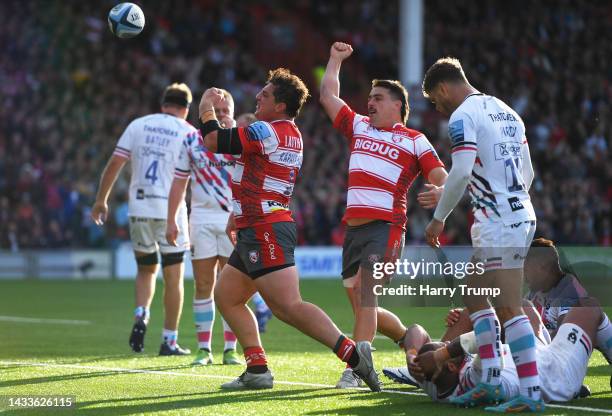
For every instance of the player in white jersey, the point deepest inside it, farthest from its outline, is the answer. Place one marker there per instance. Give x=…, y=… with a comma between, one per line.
x=211, y=207
x=456, y=375
x=152, y=144
x=491, y=158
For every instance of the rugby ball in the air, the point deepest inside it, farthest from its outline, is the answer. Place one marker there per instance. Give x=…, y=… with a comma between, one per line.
x=126, y=20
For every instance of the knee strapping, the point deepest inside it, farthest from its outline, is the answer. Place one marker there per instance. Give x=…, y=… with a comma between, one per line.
x=169, y=259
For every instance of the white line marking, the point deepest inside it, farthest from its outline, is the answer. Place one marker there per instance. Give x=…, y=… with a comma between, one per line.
x=25, y=320
x=214, y=376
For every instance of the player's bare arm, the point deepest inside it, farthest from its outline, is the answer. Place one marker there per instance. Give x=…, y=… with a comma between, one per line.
x=437, y=178
x=176, y=196
x=330, y=84
x=416, y=336
x=99, y=211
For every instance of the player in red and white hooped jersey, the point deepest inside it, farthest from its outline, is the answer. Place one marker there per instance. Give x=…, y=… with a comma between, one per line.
x=386, y=157
x=263, y=259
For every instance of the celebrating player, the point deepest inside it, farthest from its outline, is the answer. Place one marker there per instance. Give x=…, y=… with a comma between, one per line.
x=153, y=144
x=262, y=312
x=386, y=157
x=491, y=158
x=263, y=258
x=211, y=198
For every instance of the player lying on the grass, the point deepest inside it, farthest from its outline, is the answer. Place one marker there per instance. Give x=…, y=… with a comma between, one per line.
x=457, y=375
x=271, y=152
x=552, y=291
x=491, y=159
x=210, y=209
x=152, y=143
x=563, y=361
x=386, y=157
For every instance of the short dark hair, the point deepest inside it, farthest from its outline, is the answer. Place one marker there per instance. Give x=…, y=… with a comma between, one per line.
x=446, y=381
x=288, y=89
x=443, y=70
x=398, y=92
x=177, y=94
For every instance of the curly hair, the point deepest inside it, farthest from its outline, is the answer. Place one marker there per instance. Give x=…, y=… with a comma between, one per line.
x=288, y=89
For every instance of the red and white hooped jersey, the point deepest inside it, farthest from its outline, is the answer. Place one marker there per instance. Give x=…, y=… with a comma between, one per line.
x=383, y=165
x=265, y=173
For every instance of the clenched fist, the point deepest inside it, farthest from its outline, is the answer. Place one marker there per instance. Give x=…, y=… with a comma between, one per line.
x=341, y=50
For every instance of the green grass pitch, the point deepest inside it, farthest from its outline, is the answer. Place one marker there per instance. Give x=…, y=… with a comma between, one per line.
x=92, y=361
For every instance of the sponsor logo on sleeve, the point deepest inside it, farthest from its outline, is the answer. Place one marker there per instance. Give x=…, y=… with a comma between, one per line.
x=258, y=131
x=455, y=131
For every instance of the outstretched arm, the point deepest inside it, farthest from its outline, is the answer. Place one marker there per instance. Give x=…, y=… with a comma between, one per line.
x=330, y=84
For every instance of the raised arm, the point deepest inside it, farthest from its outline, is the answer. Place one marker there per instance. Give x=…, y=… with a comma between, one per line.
x=330, y=84
x=217, y=139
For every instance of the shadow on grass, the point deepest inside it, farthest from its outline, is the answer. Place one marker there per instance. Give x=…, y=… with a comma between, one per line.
x=83, y=375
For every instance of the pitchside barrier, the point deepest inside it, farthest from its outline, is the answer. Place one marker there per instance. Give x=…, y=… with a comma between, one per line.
x=592, y=264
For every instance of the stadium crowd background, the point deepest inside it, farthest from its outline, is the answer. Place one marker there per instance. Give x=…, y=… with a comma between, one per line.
x=68, y=89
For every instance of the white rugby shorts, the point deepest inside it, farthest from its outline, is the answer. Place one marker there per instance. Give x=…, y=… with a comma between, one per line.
x=209, y=240
x=148, y=235
x=501, y=246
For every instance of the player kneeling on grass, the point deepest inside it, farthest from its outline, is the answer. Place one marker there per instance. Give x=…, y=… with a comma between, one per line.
x=563, y=362
x=152, y=144
x=271, y=152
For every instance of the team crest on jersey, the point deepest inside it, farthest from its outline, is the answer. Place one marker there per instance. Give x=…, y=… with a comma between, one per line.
x=253, y=256
x=396, y=138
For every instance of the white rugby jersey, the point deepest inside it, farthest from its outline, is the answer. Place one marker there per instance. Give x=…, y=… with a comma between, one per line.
x=556, y=303
x=487, y=126
x=211, y=175
x=152, y=143
x=382, y=166
x=470, y=374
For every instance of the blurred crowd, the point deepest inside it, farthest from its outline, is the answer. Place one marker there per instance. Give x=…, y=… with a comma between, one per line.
x=68, y=88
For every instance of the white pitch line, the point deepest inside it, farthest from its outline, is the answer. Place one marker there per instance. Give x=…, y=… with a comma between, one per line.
x=288, y=383
x=22, y=319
